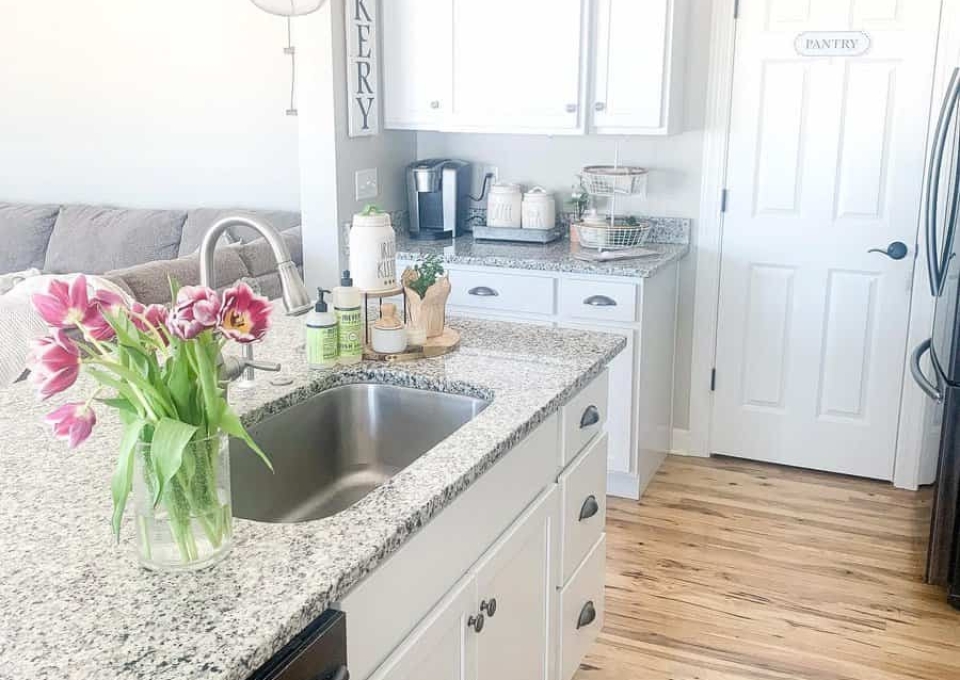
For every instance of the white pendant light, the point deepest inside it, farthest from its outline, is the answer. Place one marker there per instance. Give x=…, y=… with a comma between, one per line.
x=289, y=8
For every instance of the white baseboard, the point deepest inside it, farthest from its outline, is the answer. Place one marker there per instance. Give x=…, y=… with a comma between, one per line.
x=680, y=446
x=623, y=485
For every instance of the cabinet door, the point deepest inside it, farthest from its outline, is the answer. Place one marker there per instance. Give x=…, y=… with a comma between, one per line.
x=519, y=641
x=516, y=65
x=634, y=65
x=416, y=62
x=441, y=647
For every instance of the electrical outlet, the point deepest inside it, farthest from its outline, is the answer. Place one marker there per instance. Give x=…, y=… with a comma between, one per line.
x=368, y=184
x=490, y=170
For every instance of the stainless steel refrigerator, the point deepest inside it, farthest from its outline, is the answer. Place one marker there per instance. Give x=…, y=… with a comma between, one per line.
x=941, y=379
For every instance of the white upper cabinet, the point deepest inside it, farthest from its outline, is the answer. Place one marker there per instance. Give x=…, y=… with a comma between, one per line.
x=416, y=63
x=638, y=66
x=534, y=66
x=516, y=65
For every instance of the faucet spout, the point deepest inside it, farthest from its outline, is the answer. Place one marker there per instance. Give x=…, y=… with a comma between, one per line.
x=296, y=299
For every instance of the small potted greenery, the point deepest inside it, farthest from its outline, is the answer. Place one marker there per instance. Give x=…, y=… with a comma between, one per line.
x=426, y=288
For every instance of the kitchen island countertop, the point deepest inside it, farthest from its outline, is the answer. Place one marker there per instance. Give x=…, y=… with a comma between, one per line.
x=73, y=604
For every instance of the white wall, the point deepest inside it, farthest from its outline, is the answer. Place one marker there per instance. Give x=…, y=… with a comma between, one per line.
x=675, y=163
x=146, y=103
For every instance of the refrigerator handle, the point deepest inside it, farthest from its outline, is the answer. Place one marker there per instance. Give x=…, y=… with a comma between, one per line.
x=931, y=390
x=936, y=261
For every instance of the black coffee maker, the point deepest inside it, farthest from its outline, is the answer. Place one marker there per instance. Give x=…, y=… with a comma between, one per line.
x=438, y=196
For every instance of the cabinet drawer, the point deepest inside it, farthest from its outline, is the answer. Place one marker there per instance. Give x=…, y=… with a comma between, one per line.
x=495, y=291
x=583, y=418
x=598, y=300
x=582, y=609
x=584, y=505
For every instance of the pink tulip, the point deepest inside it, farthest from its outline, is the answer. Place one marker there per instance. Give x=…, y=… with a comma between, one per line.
x=72, y=423
x=150, y=318
x=104, y=302
x=54, y=363
x=64, y=305
x=245, y=316
x=195, y=311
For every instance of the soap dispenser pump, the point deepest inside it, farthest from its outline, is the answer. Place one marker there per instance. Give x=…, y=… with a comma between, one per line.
x=322, y=343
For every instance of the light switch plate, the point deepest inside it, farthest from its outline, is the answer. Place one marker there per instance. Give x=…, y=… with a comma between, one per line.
x=368, y=184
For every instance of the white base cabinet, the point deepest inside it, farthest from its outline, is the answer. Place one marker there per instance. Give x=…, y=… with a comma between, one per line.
x=503, y=583
x=638, y=408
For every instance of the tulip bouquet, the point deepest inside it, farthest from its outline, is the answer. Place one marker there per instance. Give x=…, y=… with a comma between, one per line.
x=159, y=370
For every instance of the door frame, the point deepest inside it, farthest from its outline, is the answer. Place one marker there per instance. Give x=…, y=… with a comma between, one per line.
x=709, y=242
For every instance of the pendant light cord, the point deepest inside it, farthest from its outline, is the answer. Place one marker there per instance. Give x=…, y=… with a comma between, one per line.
x=292, y=51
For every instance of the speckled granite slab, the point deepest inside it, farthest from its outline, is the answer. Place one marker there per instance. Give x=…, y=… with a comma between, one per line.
x=73, y=605
x=558, y=256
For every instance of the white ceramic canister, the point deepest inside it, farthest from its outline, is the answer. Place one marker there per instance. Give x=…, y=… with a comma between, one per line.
x=539, y=209
x=505, y=206
x=373, y=252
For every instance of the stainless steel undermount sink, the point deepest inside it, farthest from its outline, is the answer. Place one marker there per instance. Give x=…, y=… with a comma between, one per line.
x=331, y=450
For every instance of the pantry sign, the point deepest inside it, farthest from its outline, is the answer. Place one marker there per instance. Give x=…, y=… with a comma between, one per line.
x=832, y=43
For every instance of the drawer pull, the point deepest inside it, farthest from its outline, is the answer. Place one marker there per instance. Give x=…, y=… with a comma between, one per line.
x=483, y=291
x=489, y=607
x=475, y=622
x=590, y=417
x=587, y=615
x=589, y=508
x=600, y=301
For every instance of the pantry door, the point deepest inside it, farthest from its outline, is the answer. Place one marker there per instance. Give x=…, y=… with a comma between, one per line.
x=826, y=159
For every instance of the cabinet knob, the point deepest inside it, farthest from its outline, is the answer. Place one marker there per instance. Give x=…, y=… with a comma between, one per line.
x=590, y=417
x=571, y=108
x=600, y=106
x=475, y=622
x=483, y=291
x=434, y=104
x=587, y=615
x=600, y=301
x=589, y=508
x=489, y=607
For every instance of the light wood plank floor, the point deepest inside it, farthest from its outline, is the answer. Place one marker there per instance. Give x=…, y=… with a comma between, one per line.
x=733, y=570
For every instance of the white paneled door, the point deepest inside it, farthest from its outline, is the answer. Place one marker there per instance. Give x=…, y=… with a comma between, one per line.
x=826, y=161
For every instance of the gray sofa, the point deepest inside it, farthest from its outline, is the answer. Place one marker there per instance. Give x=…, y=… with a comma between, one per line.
x=139, y=249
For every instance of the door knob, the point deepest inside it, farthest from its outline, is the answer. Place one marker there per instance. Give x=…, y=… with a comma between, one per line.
x=895, y=251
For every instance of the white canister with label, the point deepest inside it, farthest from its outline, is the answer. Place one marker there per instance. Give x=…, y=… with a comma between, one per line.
x=504, y=206
x=373, y=252
x=539, y=209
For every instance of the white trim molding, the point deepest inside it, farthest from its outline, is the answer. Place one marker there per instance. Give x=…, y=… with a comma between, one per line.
x=681, y=442
x=709, y=225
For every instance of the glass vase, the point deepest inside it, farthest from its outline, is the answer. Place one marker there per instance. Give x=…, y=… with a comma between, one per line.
x=189, y=524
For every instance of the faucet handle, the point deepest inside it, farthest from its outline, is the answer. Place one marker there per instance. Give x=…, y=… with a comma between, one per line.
x=234, y=367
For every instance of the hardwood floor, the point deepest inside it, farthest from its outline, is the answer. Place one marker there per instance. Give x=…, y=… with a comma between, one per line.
x=733, y=570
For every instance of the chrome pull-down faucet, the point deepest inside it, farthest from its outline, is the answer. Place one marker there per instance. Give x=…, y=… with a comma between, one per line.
x=296, y=299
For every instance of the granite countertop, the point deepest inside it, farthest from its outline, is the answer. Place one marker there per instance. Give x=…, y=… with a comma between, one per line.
x=669, y=243
x=73, y=604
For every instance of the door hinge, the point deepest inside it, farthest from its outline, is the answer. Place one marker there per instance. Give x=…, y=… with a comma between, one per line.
x=723, y=200
x=713, y=380
x=736, y=9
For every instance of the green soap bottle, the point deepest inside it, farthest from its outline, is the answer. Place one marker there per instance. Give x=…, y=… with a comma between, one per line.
x=322, y=342
x=346, y=305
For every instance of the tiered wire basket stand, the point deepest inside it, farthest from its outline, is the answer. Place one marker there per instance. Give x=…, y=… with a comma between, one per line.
x=613, y=185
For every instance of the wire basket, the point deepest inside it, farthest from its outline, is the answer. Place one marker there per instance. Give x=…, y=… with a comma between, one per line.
x=607, y=237
x=609, y=180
